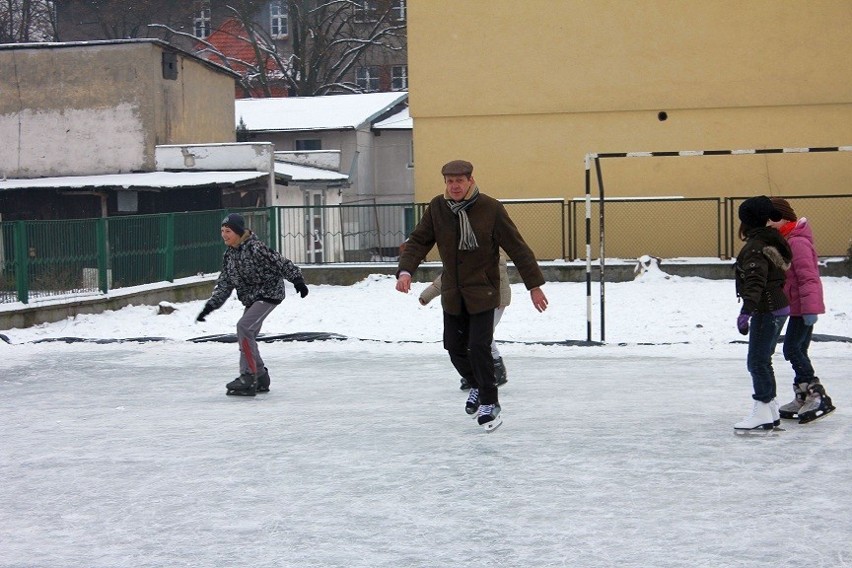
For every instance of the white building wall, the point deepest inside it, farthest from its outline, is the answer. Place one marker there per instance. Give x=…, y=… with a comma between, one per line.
x=394, y=167
x=105, y=140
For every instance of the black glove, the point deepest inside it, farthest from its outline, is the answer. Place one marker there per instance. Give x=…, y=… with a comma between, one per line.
x=300, y=287
x=204, y=313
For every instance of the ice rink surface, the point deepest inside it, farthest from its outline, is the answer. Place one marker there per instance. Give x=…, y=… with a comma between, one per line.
x=130, y=455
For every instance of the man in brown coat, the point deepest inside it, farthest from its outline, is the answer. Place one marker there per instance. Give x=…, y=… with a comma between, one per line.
x=469, y=229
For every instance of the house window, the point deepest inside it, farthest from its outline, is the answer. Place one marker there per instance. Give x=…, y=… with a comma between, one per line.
x=399, y=78
x=365, y=11
x=170, y=69
x=278, y=21
x=398, y=10
x=367, y=79
x=369, y=10
x=201, y=20
x=306, y=145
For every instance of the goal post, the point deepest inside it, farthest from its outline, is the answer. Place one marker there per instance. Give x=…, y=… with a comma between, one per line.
x=596, y=157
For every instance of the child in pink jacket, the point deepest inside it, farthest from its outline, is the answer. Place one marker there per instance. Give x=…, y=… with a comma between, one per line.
x=803, y=288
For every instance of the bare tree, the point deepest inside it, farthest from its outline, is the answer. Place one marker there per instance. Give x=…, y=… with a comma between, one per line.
x=331, y=38
x=121, y=19
x=328, y=39
x=259, y=72
x=24, y=21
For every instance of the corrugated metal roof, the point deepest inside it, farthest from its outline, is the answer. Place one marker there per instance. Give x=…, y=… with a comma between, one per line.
x=160, y=180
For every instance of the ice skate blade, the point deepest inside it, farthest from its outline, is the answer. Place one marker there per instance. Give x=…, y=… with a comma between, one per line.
x=240, y=393
x=758, y=432
x=809, y=417
x=492, y=425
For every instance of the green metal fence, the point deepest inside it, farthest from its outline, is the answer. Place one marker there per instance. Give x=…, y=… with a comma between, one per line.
x=40, y=259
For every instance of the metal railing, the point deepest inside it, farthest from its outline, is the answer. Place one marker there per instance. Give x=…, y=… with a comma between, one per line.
x=41, y=259
x=694, y=227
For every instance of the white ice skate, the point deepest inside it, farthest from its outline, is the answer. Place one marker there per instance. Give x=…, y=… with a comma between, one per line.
x=759, y=421
x=775, y=407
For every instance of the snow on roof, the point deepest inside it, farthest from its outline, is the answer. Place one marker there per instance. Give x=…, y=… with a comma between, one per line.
x=331, y=112
x=400, y=121
x=135, y=180
x=86, y=43
x=299, y=173
x=112, y=42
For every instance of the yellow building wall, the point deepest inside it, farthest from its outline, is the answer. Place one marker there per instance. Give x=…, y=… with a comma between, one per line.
x=193, y=108
x=525, y=90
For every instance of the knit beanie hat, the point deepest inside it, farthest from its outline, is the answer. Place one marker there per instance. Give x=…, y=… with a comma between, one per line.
x=782, y=206
x=235, y=222
x=756, y=211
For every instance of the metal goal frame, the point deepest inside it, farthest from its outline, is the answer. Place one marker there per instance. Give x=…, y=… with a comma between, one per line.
x=596, y=157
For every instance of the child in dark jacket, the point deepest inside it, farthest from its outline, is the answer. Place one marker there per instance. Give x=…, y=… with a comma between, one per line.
x=803, y=289
x=760, y=275
x=257, y=273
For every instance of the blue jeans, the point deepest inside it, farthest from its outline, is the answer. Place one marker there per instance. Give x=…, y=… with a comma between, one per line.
x=764, y=330
x=797, y=339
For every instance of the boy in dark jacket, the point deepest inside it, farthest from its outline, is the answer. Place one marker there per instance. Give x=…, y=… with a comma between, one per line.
x=760, y=268
x=257, y=272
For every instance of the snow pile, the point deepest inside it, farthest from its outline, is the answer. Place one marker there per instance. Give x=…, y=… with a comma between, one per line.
x=648, y=268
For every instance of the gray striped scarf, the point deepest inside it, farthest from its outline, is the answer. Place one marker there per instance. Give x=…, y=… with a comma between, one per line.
x=467, y=240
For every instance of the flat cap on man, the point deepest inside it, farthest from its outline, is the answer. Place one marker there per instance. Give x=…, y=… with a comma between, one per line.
x=457, y=168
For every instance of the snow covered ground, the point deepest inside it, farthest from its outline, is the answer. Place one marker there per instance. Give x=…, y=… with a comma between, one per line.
x=129, y=454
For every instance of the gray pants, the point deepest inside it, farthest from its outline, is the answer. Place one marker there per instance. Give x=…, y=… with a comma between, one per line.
x=498, y=313
x=248, y=328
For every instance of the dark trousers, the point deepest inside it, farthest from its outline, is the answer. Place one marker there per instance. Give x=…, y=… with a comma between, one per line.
x=764, y=330
x=467, y=338
x=797, y=340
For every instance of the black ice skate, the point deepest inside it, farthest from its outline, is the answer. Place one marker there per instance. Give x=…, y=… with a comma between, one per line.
x=489, y=417
x=500, y=372
x=472, y=403
x=464, y=384
x=790, y=411
x=263, y=381
x=244, y=385
x=816, y=405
